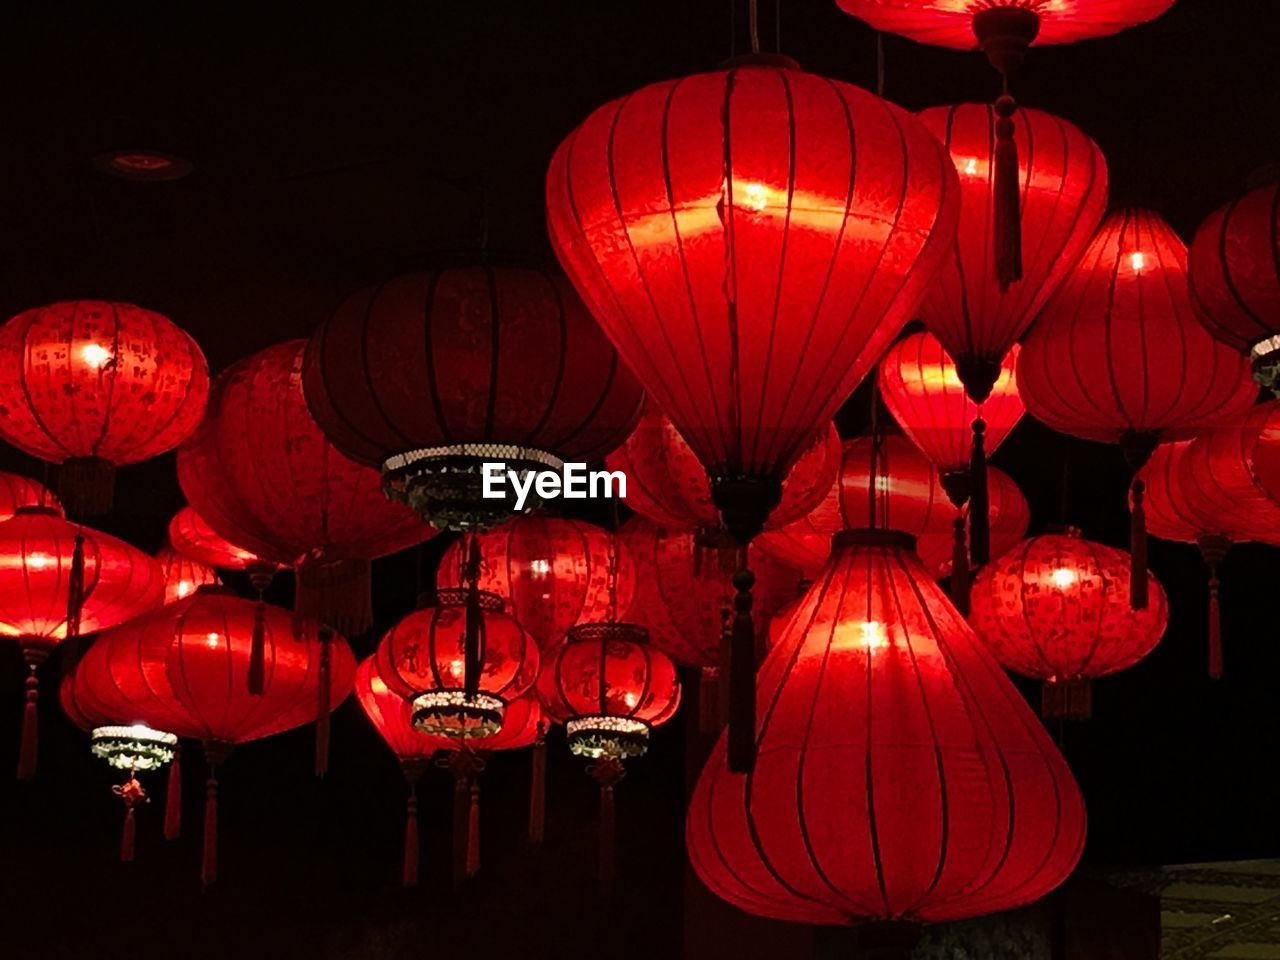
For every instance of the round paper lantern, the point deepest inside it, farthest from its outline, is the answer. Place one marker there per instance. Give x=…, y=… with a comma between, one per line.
x=1062, y=181
x=667, y=484
x=94, y=385
x=1235, y=278
x=182, y=575
x=900, y=777
x=58, y=579
x=423, y=658
x=192, y=537
x=197, y=655
x=262, y=474
x=551, y=572
x=1010, y=516
x=429, y=375
x=19, y=491
x=1117, y=355
x=1056, y=608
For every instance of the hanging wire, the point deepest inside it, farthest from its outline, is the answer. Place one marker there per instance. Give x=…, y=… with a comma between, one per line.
x=777, y=26
x=879, y=64
x=753, y=13
x=873, y=464
x=733, y=28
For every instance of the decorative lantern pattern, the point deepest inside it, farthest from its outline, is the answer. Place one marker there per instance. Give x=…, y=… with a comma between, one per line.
x=429, y=375
x=900, y=777
x=551, y=572
x=19, y=491
x=1056, y=608
x=182, y=575
x=667, y=484
x=263, y=476
x=94, y=385
x=423, y=658
x=1235, y=277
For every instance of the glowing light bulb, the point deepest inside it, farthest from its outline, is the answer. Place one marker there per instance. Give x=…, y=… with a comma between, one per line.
x=882, y=484
x=969, y=167
x=630, y=699
x=212, y=640
x=1063, y=578
x=95, y=355
x=1138, y=260
x=39, y=561
x=184, y=587
x=455, y=668
x=377, y=686
x=539, y=568
x=873, y=636
x=753, y=196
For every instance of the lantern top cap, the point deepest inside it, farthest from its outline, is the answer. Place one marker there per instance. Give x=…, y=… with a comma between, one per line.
x=777, y=61
x=873, y=538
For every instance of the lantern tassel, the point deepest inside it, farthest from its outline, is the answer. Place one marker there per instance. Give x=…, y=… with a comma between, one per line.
x=1006, y=200
x=132, y=794
x=465, y=765
x=34, y=653
x=173, y=797
x=538, y=787
x=960, y=566
x=472, y=653
x=606, y=771
x=742, y=676
x=1138, y=548
x=215, y=753
x=323, y=693
x=338, y=594
x=473, y=830
x=1214, y=550
x=979, y=508
x=1066, y=699
x=127, y=836
x=75, y=588
x=258, y=650
x=409, y=866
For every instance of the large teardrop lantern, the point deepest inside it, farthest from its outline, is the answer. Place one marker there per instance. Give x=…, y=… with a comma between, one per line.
x=430, y=375
x=94, y=385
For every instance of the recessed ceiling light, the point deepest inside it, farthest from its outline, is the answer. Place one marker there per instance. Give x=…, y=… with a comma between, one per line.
x=142, y=165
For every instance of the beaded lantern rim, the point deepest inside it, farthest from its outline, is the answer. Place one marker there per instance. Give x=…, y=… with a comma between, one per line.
x=452, y=713
x=425, y=458
x=604, y=630
x=603, y=735
x=135, y=747
x=1265, y=355
x=457, y=597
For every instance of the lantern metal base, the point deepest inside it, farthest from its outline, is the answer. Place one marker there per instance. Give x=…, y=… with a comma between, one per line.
x=451, y=713
x=136, y=747
x=1266, y=363
x=445, y=485
x=601, y=735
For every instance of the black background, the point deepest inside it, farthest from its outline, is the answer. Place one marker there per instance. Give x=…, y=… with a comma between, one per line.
x=334, y=144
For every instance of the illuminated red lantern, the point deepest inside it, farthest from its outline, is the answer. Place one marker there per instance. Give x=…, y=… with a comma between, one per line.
x=192, y=537
x=1010, y=516
x=751, y=239
x=609, y=687
x=262, y=474
x=94, y=385
x=900, y=777
x=1062, y=180
x=197, y=654
x=1056, y=608
x=1235, y=278
x=667, y=484
x=182, y=575
x=59, y=579
x=423, y=658
x=551, y=572
x=1117, y=355
x=19, y=491
x=428, y=375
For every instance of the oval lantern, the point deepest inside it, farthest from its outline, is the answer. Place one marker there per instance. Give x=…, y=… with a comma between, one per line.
x=262, y=474
x=884, y=721
x=19, y=491
x=667, y=484
x=751, y=239
x=430, y=375
x=1117, y=355
x=1056, y=608
x=1235, y=278
x=94, y=385
x=59, y=580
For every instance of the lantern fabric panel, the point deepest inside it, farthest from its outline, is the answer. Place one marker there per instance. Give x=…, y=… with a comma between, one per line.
x=1219, y=474
x=596, y=671
x=182, y=575
x=92, y=378
x=191, y=535
x=391, y=715
x=1235, y=269
x=750, y=239
x=1118, y=350
x=19, y=491
x=1170, y=513
x=899, y=774
x=1063, y=176
x=949, y=23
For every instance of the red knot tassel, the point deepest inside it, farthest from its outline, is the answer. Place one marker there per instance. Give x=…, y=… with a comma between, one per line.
x=1006, y=199
x=322, y=702
x=1138, y=548
x=607, y=771
x=412, y=770
x=959, y=565
x=1066, y=699
x=979, y=509
x=132, y=794
x=215, y=753
x=258, y=650
x=538, y=787
x=742, y=676
x=473, y=830
x=173, y=797
x=127, y=836
x=34, y=652
x=465, y=765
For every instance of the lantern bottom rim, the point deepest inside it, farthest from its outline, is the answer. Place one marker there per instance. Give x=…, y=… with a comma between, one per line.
x=1266, y=363
x=454, y=714
x=602, y=735
x=135, y=747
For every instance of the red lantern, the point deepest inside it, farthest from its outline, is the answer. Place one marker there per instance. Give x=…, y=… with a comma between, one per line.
x=1062, y=195
x=1055, y=608
x=265, y=478
x=58, y=579
x=19, y=491
x=609, y=687
x=1010, y=517
x=900, y=777
x=667, y=484
x=94, y=385
x=197, y=654
x=551, y=572
x=192, y=537
x=751, y=239
x=431, y=374
x=182, y=575
x=423, y=658
x=1235, y=278
x=1117, y=355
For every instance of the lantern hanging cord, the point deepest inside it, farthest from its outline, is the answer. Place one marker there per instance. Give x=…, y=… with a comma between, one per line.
x=873, y=464
x=753, y=14
x=879, y=64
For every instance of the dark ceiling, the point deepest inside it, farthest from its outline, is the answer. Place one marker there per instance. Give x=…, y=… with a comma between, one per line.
x=333, y=144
